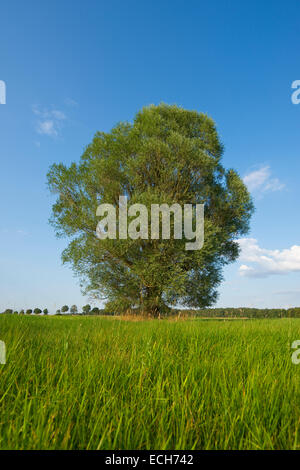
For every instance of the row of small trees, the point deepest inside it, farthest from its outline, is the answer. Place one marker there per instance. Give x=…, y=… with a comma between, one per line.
x=65, y=309
x=86, y=310
x=29, y=311
x=73, y=310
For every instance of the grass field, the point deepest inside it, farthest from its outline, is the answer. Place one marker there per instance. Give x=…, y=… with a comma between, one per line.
x=105, y=383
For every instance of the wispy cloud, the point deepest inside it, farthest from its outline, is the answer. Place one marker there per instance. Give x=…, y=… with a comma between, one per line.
x=49, y=121
x=47, y=127
x=266, y=262
x=295, y=292
x=261, y=181
x=59, y=115
x=70, y=102
x=14, y=232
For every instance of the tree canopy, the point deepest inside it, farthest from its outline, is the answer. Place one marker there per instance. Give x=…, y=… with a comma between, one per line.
x=167, y=155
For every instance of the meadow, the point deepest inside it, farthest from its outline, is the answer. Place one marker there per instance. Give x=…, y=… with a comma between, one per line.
x=106, y=383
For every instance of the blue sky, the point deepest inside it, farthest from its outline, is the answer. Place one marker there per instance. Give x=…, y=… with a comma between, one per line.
x=74, y=67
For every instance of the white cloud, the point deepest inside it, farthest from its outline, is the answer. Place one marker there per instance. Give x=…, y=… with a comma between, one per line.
x=267, y=262
x=260, y=180
x=295, y=292
x=49, y=122
x=46, y=127
x=70, y=102
x=58, y=114
x=14, y=232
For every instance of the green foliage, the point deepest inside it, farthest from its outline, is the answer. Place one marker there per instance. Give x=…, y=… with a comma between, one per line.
x=58, y=312
x=81, y=383
x=95, y=311
x=246, y=312
x=86, y=309
x=8, y=311
x=65, y=309
x=74, y=310
x=115, y=308
x=37, y=311
x=29, y=311
x=168, y=155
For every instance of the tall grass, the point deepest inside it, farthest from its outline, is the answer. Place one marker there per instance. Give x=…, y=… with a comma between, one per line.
x=100, y=383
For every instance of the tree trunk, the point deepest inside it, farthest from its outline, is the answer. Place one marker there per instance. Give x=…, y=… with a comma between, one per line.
x=152, y=304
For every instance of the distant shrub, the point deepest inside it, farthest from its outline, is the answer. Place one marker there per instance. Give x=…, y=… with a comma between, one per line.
x=86, y=309
x=74, y=309
x=95, y=311
x=9, y=311
x=65, y=308
x=37, y=311
x=45, y=311
x=28, y=311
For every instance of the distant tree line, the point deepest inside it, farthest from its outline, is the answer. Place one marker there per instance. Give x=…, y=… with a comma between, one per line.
x=242, y=312
x=29, y=311
x=64, y=310
x=245, y=312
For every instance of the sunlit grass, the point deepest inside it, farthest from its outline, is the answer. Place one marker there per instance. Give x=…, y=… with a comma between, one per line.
x=100, y=383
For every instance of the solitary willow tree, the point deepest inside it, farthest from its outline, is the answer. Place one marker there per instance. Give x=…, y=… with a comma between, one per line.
x=167, y=155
